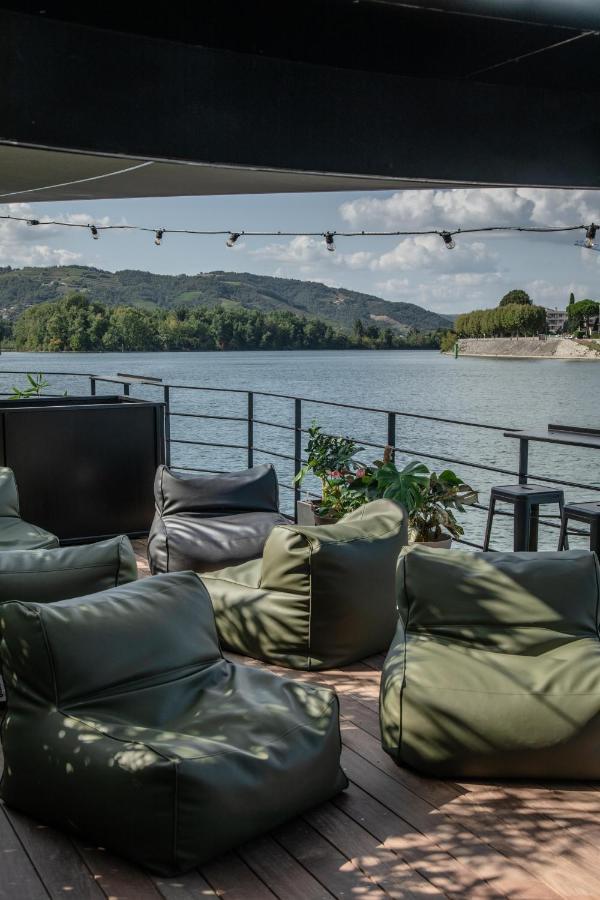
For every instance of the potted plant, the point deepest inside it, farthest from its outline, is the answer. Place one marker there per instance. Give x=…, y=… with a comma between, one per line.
x=330, y=459
x=430, y=498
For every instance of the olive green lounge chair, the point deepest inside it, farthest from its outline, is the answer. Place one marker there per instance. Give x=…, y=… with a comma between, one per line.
x=127, y=726
x=321, y=596
x=495, y=668
x=43, y=576
x=15, y=534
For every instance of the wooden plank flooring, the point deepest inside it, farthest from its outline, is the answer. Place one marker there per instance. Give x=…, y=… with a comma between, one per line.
x=391, y=834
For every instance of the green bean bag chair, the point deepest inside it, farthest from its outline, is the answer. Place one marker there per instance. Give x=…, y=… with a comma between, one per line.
x=321, y=596
x=127, y=726
x=15, y=534
x=495, y=668
x=43, y=576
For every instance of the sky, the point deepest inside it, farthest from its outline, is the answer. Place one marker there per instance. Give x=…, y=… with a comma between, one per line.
x=414, y=269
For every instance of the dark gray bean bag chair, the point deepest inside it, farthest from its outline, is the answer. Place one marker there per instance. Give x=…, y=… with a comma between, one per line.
x=43, y=576
x=15, y=534
x=128, y=727
x=208, y=522
x=321, y=596
x=495, y=668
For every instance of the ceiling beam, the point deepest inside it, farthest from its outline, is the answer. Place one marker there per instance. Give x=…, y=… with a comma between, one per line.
x=89, y=90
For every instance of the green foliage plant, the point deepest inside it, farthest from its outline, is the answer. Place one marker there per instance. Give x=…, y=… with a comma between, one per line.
x=35, y=386
x=429, y=498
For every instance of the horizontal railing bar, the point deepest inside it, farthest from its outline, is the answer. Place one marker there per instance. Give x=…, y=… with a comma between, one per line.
x=194, y=469
x=34, y=369
x=207, y=416
x=276, y=425
x=273, y=453
x=373, y=409
x=468, y=543
x=208, y=444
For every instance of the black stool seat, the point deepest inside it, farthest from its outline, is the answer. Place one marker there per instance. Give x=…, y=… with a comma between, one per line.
x=534, y=493
x=526, y=499
x=583, y=512
x=586, y=511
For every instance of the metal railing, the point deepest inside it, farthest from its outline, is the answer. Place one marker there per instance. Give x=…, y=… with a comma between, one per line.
x=294, y=429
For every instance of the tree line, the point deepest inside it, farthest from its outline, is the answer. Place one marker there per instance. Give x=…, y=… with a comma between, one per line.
x=502, y=321
x=77, y=323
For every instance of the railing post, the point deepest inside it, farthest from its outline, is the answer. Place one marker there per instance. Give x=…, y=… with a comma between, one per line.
x=167, y=425
x=126, y=387
x=297, y=449
x=250, y=429
x=92, y=386
x=523, y=460
x=391, y=429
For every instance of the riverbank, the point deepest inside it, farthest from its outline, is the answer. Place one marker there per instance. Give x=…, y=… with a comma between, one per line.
x=530, y=348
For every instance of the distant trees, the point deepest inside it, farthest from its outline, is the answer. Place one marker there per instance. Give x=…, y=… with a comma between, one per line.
x=75, y=322
x=504, y=321
x=516, y=297
x=581, y=314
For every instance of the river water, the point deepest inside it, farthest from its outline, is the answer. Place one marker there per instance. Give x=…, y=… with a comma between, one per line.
x=509, y=393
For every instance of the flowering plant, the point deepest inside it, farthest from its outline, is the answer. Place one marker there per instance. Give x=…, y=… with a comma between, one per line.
x=330, y=459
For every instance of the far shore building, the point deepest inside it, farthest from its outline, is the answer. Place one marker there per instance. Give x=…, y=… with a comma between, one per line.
x=555, y=319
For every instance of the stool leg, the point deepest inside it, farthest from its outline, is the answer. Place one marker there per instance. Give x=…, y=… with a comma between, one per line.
x=488, y=524
x=521, y=526
x=562, y=537
x=595, y=536
x=534, y=520
x=563, y=541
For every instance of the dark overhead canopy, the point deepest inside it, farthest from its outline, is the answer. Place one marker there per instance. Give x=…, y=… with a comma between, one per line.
x=310, y=95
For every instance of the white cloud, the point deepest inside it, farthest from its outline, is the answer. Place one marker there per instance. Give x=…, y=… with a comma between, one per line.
x=24, y=245
x=472, y=207
x=428, y=252
x=546, y=293
x=309, y=255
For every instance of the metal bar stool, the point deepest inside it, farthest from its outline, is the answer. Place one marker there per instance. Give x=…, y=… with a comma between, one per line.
x=588, y=512
x=526, y=500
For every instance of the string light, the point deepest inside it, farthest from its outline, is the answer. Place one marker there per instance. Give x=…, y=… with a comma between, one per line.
x=590, y=236
x=328, y=236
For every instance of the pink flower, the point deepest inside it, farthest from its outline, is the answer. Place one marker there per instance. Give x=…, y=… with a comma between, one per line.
x=360, y=473
x=335, y=474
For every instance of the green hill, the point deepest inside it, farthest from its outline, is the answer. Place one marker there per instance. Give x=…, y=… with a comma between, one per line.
x=21, y=288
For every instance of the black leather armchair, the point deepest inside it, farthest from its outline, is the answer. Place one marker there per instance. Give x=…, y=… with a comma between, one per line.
x=206, y=523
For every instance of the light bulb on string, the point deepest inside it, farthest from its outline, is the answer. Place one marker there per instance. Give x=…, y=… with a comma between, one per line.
x=94, y=231
x=329, y=240
x=233, y=237
x=158, y=236
x=590, y=236
x=448, y=240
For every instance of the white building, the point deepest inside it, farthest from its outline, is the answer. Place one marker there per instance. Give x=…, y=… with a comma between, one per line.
x=555, y=319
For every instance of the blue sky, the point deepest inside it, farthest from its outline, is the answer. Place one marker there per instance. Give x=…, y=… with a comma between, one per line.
x=419, y=270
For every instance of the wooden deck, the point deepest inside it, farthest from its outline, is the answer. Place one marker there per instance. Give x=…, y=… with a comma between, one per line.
x=390, y=834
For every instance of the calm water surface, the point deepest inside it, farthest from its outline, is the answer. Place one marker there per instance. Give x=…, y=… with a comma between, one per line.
x=510, y=393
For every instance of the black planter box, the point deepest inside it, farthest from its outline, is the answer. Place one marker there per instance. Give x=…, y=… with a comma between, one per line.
x=84, y=465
